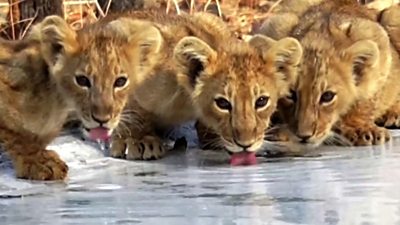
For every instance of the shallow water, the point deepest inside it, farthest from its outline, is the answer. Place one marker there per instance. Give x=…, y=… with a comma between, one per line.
x=343, y=186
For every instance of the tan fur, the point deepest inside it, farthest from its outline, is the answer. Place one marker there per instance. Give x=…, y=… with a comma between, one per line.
x=286, y=16
x=103, y=54
x=200, y=61
x=32, y=110
x=381, y=5
x=389, y=19
x=348, y=53
x=39, y=88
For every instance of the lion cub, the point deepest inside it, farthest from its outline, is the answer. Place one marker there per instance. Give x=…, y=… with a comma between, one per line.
x=198, y=70
x=347, y=78
x=32, y=109
x=55, y=71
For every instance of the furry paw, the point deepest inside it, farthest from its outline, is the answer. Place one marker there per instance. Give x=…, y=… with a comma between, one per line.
x=365, y=135
x=147, y=148
x=390, y=120
x=118, y=147
x=44, y=165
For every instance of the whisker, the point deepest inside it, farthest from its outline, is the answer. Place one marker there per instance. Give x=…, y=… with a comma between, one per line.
x=133, y=120
x=130, y=111
x=337, y=139
x=122, y=127
x=213, y=143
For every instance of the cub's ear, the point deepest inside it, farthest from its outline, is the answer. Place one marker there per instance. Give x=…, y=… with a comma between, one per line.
x=285, y=52
x=56, y=38
x=284, y=55
x=139, y=33
x=192, y=56
x=364, y=56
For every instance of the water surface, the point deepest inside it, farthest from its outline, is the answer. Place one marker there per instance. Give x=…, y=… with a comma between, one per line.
x=343, y=186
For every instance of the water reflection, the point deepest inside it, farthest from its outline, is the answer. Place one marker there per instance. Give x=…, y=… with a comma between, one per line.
x=343, y=186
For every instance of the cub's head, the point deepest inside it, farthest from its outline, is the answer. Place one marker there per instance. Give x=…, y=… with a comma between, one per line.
x=97, y=66
x=235, y=88
x=329, y=83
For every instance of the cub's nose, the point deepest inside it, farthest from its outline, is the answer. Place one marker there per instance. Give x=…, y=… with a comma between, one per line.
x=243, y=145
x=101, y=119
x=304, y=138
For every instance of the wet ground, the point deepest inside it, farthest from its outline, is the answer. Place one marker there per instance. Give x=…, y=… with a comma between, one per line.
x=343, y=186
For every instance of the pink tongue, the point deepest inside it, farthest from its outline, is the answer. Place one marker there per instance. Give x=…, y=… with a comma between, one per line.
x=99, y=133
x=243, y=158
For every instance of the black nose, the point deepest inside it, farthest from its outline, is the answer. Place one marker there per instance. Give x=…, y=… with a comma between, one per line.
x=243, y=145
x=101, y=121
x=304, y=138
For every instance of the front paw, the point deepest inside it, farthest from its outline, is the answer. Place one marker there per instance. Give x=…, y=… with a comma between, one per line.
x=118, y=147
x=147, y=148
x=44, y=165
x=390, y=119
x=365, y=135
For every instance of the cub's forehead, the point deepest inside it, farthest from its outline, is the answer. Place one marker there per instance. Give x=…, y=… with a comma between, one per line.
x=247, y=81
x=100, y=48
x=99, y=59
x=246, y=88
x=100, y=43
x=319, y=68
x=245, y=65
x=97, y=36
x=317, y=63
x=242, y=68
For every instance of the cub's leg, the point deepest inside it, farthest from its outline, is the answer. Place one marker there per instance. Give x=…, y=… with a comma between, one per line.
x=135, y=137
x=391, y=118
x=147, y=147
x=390, y=20
x=358, y=126
x=30, y=158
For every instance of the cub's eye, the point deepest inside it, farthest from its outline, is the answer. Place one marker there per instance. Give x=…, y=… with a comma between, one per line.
x=292, y=96
x=223, y=104
x=327, y=97
x=261, y=102
x=120, y=82
x=83, y=81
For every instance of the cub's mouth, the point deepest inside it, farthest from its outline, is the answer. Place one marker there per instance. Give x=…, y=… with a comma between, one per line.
x=241, y=156
x=98, y=133
x=315, y=140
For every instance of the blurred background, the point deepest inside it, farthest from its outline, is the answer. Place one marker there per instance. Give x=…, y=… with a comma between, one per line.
x=17, y=16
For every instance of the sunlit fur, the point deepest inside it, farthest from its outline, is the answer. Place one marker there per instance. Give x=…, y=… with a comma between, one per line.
x=241, y=76
x=200, y=60
x=347, y=52
x=32, y=110
x=102, y=52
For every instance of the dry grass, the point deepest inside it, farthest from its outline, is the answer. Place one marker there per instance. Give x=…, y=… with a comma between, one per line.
x=241, y=15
